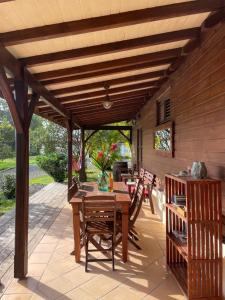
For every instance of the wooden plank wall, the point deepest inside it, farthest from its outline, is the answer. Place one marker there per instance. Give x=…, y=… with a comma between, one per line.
x=197, y=91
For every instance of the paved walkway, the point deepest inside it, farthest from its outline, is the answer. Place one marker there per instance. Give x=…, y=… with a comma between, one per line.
x=45, y=206
x=53, y=273
x=34, y=172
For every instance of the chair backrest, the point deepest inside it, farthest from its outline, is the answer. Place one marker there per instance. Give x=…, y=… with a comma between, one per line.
x=142, y=173
x=137, y=202
x=73, y=189
x=150, y=181
x=99, y=208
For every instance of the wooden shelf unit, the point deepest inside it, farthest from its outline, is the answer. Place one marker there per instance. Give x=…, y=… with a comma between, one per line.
x=196, y=264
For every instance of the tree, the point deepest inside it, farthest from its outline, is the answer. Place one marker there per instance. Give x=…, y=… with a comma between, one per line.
x=7, y=139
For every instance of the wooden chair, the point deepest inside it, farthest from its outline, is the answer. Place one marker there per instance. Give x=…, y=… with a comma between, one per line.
x=131, y=184
x=99, y=219
x=134, y=211
x=150, y=182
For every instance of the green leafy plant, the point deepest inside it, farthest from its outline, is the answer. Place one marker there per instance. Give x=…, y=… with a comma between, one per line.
x=9, y=186
x=104, y=159
x=54, y=164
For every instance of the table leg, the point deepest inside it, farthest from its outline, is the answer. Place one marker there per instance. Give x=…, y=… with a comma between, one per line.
x=76, y=232
x=125, y=219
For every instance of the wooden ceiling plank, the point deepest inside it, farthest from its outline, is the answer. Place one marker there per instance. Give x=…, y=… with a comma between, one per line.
x=113, y=47
x=110, y=21
x=152, y=60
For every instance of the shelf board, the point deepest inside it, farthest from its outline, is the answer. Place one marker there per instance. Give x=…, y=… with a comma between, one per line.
x=181, y=247
x=173, y=209
x=179, y=270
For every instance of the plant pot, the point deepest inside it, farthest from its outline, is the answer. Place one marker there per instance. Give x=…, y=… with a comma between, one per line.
x=103, y=181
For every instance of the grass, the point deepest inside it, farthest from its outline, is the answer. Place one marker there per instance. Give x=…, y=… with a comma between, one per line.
x=5, y=204
x=45, y=180
x=9, y=163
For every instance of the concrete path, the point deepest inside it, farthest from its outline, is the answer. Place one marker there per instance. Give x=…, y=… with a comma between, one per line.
x=34, y=172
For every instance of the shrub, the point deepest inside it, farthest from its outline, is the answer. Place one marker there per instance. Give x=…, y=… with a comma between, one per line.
x=54, y=165
x=9, y=186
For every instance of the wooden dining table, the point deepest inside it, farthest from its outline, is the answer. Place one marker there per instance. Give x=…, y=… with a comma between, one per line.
x=122, y=201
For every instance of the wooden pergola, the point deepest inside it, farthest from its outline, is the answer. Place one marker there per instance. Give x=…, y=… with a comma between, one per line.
x=56, y=57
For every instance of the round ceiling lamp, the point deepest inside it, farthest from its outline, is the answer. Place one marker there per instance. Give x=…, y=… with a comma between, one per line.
x=107, y=104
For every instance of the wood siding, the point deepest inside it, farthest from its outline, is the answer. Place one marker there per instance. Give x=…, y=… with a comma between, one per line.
x=197, y=92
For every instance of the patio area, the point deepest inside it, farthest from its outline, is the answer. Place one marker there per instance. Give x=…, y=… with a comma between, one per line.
x=53, y=273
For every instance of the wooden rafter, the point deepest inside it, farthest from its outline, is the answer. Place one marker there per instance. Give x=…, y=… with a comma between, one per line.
x=68, y=90
x=8, y=96
x=117, y=81
x=15, y=67
x=33, y=102
x=119, y=65
x=110, y=21
x=125, y=45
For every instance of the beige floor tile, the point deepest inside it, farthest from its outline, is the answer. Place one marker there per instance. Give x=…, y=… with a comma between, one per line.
x=41, y=258
x=55, y=288
x=167, y=290
x=17, y=297
x=26, y=286
x=77, y=294
x=36, y=270
x=45, y=248
x=100, y=285
x=124, y=292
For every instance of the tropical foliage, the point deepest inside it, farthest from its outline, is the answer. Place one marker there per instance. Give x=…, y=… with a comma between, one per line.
x=54, y=164
x=104, y=159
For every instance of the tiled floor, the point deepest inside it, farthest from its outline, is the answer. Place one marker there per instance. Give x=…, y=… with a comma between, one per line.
x=53, y=273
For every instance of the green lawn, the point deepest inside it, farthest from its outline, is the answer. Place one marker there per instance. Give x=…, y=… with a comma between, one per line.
x=41, y=180
x=6, y=204
x=11, y=162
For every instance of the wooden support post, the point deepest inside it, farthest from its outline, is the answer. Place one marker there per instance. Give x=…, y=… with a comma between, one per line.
x=22, y=182
x=83, y=176
x=70, y=152
x=131, y=136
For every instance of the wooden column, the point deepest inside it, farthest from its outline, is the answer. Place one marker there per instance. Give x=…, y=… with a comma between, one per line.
x=70, y=152
x=83, y=176
x=22, y=182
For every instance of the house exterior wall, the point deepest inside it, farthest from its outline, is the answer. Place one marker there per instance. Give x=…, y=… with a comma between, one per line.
x=197, y=93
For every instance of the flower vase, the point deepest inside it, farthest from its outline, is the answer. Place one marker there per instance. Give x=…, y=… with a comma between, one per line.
x=103, y=182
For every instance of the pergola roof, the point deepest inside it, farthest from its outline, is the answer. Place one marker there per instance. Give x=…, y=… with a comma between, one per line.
x=75, y=47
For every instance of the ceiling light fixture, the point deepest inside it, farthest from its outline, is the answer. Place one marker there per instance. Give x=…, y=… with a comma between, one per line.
x=107, y=104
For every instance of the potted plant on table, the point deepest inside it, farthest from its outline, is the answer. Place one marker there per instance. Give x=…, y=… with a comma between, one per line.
x=103, y=160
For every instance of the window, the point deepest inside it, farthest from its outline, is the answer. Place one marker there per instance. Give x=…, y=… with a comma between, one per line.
x=163, y=111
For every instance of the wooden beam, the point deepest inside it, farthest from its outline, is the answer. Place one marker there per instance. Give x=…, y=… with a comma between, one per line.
x=103, y=68
x=125, y=136
x=90, y=135
x=8, y=96
x=82, y=173
x=15, y=67
x=69, y=126
x=109, y=127
x=117, y=81
x=67, y=90
x=22, y=182
x=125, y=45
x=112, y=119
x=69, y=101
x=128, y=101
x=110, y=21
x=34, y=100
